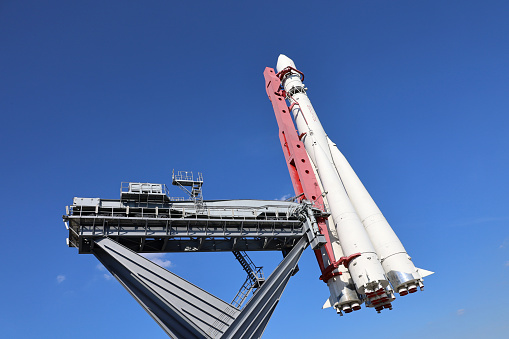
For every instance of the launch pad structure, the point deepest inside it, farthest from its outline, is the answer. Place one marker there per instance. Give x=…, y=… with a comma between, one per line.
x=147, y=220
x=361, y=259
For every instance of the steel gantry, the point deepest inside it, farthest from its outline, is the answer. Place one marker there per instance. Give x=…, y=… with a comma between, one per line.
x=146, y=220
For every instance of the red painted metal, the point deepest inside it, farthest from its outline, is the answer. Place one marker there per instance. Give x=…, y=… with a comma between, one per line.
x=345, y=261
x=302, y=175
x=281, y=74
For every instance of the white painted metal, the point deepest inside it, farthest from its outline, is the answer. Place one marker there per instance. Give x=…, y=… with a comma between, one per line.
x=424, y=273
x=303, y=112
x=366, y=270
x=343, y=296
x=396, y=262
x=367, y=273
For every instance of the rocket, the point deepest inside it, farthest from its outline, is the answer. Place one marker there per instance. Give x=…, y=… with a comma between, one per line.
x=376, y=266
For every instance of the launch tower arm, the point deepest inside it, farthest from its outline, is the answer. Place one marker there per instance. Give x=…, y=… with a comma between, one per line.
x=301, y=173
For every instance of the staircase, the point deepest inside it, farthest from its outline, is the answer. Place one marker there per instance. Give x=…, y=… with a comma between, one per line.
x=254, y=279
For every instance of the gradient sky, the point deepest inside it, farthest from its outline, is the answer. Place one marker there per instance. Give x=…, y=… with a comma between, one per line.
x=415, y=94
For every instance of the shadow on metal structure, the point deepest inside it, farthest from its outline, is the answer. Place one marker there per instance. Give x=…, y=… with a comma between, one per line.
x=182, y=309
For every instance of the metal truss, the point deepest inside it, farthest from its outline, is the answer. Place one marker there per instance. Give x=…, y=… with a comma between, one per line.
x=228, y=225
x=115, y=231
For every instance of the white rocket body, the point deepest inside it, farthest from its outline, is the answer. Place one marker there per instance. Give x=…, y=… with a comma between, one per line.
x=360, y=226
x=343, y=294
x=367, y=273
x=395, y=261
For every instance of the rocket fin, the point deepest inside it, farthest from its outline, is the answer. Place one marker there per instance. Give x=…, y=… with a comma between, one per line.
x=327, y=304
x=424, y=273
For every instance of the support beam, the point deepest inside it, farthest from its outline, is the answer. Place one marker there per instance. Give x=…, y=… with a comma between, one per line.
x=254, y=317
x=179, y=307
x=186, y=311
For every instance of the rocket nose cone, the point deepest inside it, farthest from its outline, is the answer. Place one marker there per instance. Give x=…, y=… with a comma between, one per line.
x=283, y=61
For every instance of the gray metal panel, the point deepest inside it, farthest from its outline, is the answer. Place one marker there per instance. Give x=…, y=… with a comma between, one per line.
x=182, y=309
x=86, y=201
x=263, y=324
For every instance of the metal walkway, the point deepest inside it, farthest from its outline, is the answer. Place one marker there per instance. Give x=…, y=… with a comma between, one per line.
x=228, y=225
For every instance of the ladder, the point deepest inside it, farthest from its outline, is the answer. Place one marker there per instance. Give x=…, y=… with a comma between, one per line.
x=254, y=279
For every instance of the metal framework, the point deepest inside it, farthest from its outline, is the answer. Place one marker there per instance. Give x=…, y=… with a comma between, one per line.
x=146, y=219
x=224, y=225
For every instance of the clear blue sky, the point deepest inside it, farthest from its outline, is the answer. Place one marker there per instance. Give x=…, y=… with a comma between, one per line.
x=415, y=94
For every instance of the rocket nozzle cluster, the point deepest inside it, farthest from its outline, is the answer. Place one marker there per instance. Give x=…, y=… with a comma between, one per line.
x=348, y=308
x=380, y=299
x=409, y=288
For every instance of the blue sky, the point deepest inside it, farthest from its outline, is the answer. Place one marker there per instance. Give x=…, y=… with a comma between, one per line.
x=415, y=94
